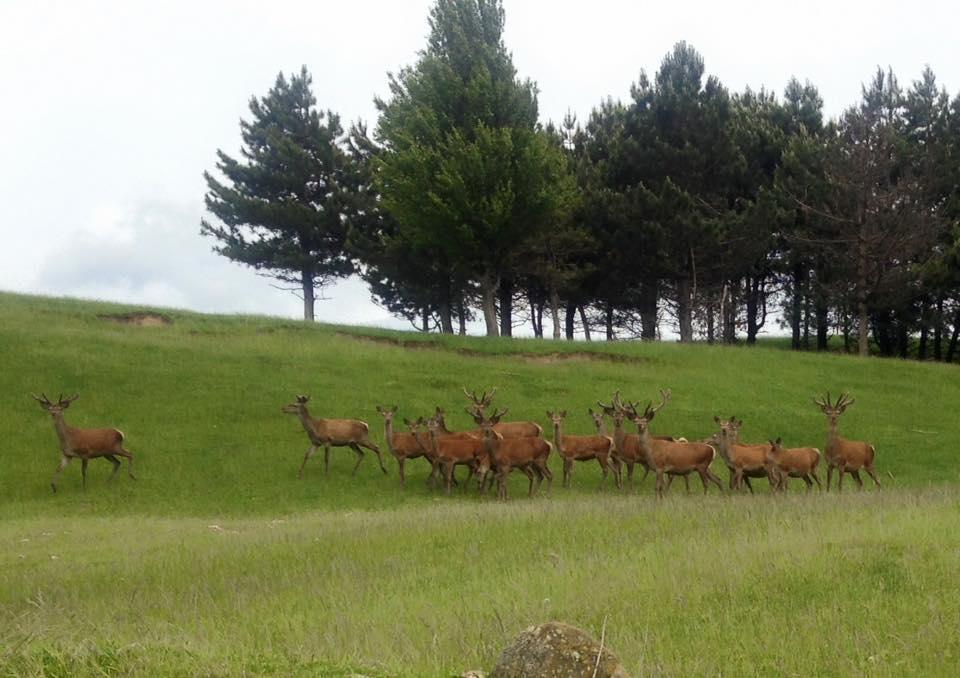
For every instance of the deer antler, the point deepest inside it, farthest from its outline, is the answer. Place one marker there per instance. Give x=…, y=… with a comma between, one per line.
x=845, y=401
x=470, y=396
x=70, y=399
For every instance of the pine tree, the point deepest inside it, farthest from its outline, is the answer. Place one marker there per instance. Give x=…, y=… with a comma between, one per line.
x=285, y=209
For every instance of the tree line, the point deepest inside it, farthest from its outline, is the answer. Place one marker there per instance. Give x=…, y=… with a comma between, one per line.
x=714, y=214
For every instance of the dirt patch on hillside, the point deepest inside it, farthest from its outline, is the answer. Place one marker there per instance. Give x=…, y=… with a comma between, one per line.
x=140, y=319
x=540, y=358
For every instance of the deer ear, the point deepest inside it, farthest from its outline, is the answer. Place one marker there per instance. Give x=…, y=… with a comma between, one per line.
x=395, y=408
x=590, y=410
x=379, y=409
x=549, y=414
x=563, y=413
x=716, y=418
x=779, y=440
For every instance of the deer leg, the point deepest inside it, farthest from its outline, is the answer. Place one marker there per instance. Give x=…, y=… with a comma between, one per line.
x=526, y=470
x=63, y=463
x=504, y=474
x=840, y=470
x=856, y=476
x=129, y=455
x=326, y=457
x=83, y=470
x=403, y=480
x=872, y=473
x=659, y=486
x=686, y=482
x=376, y=450
x=809, y=483
x=448, y=473
x=359, y=453
x=813, y=474
x=116, y=465
x=309, y=454
x=829, y=476
x=714, y=479
x=745, y=479
x=733, y=479
x=567, y=468
x=548, y=474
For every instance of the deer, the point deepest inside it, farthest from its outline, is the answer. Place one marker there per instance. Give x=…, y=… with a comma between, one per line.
x=452, y=451
x=350, y=433
x=627, y=445
x=403, y=445
x=666, y=457
x=528, y=454
x=508, y=429
x=84, y=443
x=794, y=462
x=743, y=461
x=581, y=448
x=846, y=456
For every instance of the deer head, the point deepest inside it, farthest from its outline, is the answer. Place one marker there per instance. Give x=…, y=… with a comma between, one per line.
x=729, y=428
x=483, y=402
x=597, y=417
x=557, y=417
x=297, y=407
x=57, y=407
x=835, y=409
x=388, y=412
x=643, y=420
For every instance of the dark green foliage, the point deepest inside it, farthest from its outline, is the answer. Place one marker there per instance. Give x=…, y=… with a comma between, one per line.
x=285, y=208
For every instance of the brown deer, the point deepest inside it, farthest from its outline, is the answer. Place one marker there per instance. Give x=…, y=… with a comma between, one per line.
x=627, y=445
x=508, y=429
x=402, y=445
x=529, y=454
x=846, y=456
x=84, y=443
x=332, y=433
x=669, y=457
x=452, y=451
x=793, y=462
x=581, y=448
x=743, y=461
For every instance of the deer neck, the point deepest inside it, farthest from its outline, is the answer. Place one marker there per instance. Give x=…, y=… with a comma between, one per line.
x=723, y=447
x=310, y=425
x=491, y=444
x=618, y=433
x=63, y=431
x=388, y=432
x=833, y=437
x=558, y=437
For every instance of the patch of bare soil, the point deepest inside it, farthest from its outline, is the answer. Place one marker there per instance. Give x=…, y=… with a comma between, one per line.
x=140, y=319
x=539, y=358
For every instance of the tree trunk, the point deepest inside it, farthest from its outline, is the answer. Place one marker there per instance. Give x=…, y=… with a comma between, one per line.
x=952, y=348
x=488, y=289
x=609, y=321
x=938, y=331
x=425, y=323
x=754, y=285
x=462, y=317
x=586, y=325
x=924, y=330
x=729, y=316
x=822, y=312
x=506, y=308
x=685, y=310
x=569, y=325
x=711, y=335
x=555, y=312
x=796, y=305
x=648, y=310
x=863, y=329
x=903, y=340
x=536, y=317
x=446, y=318
x=306, y=280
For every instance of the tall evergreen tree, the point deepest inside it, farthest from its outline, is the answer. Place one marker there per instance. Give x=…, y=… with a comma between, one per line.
x=466, y=171
x=286, y=207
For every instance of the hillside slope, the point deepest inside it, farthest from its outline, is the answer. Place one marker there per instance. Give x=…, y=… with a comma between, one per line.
x=199, y=401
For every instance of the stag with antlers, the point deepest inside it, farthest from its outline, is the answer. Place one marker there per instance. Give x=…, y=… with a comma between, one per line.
x=332, y=433
x=84, y=443
x=670, y=457
x=846, y=456
x=508, y=429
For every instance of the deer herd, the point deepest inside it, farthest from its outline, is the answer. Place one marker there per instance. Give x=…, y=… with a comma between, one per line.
x=495, y=448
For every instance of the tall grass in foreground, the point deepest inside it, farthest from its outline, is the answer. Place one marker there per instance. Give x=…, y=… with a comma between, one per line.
x=798, y=585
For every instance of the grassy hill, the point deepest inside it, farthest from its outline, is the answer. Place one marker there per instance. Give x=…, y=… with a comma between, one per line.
x=220, y=560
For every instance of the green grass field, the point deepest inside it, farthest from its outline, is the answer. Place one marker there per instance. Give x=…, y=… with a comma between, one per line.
x=219, y=561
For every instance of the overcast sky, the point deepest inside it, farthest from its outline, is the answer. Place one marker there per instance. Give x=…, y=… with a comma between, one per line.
x=111, y=111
